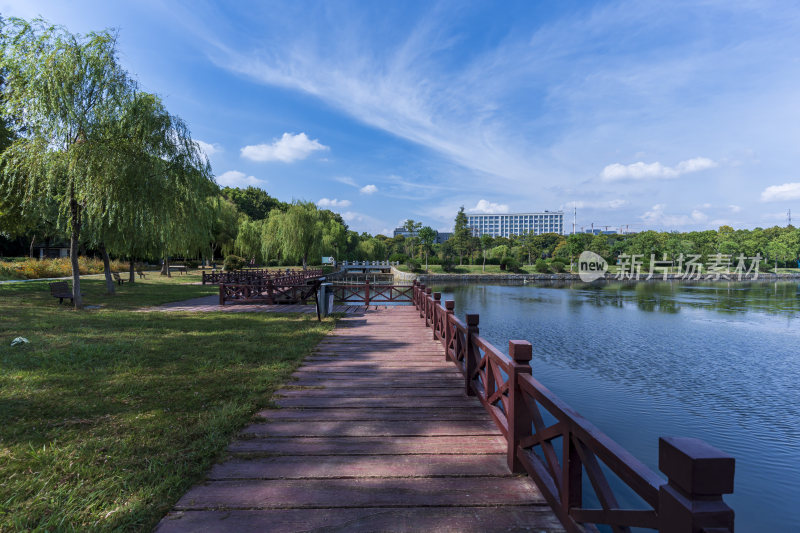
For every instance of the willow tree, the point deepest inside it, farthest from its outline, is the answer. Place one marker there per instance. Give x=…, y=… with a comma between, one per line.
x=64, y=91
x=296, y=233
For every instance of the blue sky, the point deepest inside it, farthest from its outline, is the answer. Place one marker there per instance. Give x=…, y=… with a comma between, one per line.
x=655, y=115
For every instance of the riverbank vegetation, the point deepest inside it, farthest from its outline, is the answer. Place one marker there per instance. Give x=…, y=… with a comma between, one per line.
x=109, y=415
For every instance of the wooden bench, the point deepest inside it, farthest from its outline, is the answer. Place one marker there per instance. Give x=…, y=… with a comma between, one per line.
x=141, y=274
x=61, y=290
x=178, y=268
x=117, y=278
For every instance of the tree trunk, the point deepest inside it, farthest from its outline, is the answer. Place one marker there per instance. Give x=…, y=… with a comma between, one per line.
x=107, y=269
x=131, y=273
x=33, y=240
x=484, y=262
x=74, y=243
x=426, y=261
x=304, y=261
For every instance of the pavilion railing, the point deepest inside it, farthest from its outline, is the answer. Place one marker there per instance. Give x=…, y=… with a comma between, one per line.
x=372, y=293
x=557, y=455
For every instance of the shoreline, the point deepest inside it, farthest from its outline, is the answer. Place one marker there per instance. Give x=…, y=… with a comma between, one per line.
x=572, y=277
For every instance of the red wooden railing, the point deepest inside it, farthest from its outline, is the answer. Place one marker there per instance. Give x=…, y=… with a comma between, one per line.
x=251, y=275
x=697, y=473
x=366, y=293
x=298, y=286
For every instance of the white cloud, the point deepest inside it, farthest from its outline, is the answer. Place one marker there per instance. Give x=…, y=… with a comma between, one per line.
x=326, y=202
x=644, y=171
x=347, y=181
x=734, y=208
x=368, y=189
x=234, y=178
x=362, y=222
x=656, y=217
x=288, y=148
x=484, y=206
x=775, y=193
x=208, y=148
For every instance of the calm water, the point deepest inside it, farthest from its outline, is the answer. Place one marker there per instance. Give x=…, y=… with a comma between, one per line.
x=640, y=361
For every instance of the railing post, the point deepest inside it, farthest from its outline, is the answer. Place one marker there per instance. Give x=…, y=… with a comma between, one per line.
x=437, y=300
x=221, y=294
x=698, y=475
x=428, y=302
x=518, y=418
x=469, y=361
x=449, y=305
x=366, y=293
x=421, y=300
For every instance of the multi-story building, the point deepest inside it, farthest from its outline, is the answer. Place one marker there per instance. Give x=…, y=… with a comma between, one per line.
x=505, y=225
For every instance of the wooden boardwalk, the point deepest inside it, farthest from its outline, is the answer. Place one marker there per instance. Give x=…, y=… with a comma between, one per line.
x=375, y=434
x=207, y=304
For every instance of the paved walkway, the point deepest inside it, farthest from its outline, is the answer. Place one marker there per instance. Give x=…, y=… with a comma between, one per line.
x=375, y=434
x=211, y=303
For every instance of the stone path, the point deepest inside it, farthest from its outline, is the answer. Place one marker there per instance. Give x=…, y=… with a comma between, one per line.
x=375, y=434
x=211, y=303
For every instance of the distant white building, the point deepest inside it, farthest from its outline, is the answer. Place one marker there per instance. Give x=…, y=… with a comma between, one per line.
x=505, y=225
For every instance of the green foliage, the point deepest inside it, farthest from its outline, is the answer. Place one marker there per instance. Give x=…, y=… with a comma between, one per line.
x=400, y=258
x=541, y=266
x=234, y=262
x=557, y=266
x=413, y=265
x=253, y=202
x=509, y=263
x=461, y=235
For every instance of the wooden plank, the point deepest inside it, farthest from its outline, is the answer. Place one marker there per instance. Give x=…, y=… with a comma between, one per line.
x=381, y=428
x=344, y=466
x=376, y=403
x=474, y=444
x=372, y=392
x=361, y=492
x=536, y=518
x=430, y=413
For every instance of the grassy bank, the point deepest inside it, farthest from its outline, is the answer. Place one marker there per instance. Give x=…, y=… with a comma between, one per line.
x=109, y=415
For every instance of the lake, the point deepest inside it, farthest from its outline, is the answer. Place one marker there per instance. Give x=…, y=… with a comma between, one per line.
x=641, y=360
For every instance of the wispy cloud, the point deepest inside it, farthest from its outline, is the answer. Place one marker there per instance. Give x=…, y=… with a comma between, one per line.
x=656, y=217
x=288, y=148
x=327, y=202
x=596, y=204
x=645, y=171
x=347, y=181
x=775, y=193
x=235, y=178
x=368, y=189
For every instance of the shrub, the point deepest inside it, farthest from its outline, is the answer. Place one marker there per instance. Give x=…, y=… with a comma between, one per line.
x=413, y=265
x=55, y=268
x=557, y=266
x=400, y=258
x=541, y=266
x=448, y=265
x=234, y=262
x=509, y=263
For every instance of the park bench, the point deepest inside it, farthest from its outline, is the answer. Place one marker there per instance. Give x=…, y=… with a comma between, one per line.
x=178, y=268
x=117, y=278
x=141, y=274
x=61, y=290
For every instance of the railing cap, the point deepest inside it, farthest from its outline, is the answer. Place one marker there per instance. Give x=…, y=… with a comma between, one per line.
x=520, y=351
x=437, y=295
x=428, y=290
x=696, y=467
x=449, y=305
x=472, y=320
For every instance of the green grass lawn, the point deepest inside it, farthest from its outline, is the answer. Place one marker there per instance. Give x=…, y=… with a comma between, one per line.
x=108, y=416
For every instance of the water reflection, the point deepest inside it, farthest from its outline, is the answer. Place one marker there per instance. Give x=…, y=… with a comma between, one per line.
x=714, y=361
